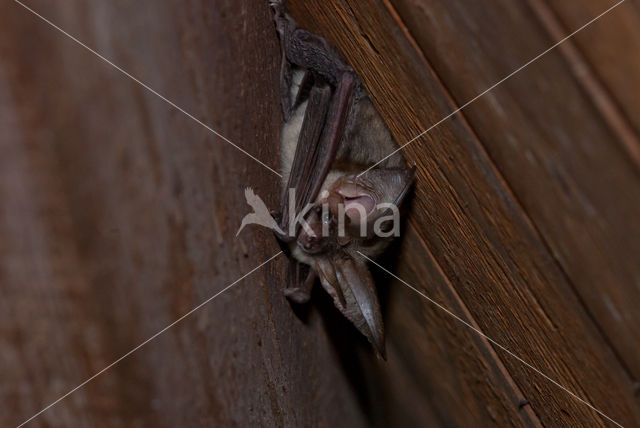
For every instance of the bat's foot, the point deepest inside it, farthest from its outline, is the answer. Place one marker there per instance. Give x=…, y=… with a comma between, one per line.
x=297, y=295
x=302, y=293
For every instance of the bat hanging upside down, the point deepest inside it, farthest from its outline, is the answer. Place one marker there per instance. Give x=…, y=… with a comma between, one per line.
x=331, y=133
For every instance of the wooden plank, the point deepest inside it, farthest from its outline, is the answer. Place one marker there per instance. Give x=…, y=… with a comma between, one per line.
x=478, y=234
x=565, y=165
x=608, y=50
x=118, y=215
x=434, y=359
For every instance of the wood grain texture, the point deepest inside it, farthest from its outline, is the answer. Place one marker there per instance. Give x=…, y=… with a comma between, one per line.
x=434, y=359
x=494, y=257
x=118, y=215
x=542, y=128
x=610, y=50
x=601, y=65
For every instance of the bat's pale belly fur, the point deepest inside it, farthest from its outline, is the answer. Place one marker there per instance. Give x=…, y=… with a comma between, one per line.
x=291, y=128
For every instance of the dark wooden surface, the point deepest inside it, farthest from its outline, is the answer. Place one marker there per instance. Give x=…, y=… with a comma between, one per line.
x=608, y=51
x=118, y=214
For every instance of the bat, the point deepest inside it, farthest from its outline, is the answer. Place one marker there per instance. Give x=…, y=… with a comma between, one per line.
x=330, y=134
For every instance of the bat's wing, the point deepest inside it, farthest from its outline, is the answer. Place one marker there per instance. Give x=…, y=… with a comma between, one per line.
x=351, y=286
x=304, y=167
x=322, y=130
x=329, y=102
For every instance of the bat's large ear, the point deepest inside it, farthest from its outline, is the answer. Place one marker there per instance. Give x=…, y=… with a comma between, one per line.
x=391, y=184
x=373, y=193
x=351, y=286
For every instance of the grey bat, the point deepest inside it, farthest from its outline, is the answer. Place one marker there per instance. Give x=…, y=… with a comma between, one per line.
x=331, y=133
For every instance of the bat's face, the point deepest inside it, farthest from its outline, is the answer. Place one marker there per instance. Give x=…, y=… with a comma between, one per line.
x=346, y=212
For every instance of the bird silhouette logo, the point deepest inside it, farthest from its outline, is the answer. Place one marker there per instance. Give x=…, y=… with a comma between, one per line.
x=260, y=215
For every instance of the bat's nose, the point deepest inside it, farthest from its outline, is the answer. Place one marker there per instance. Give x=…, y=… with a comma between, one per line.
x=310, y=244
